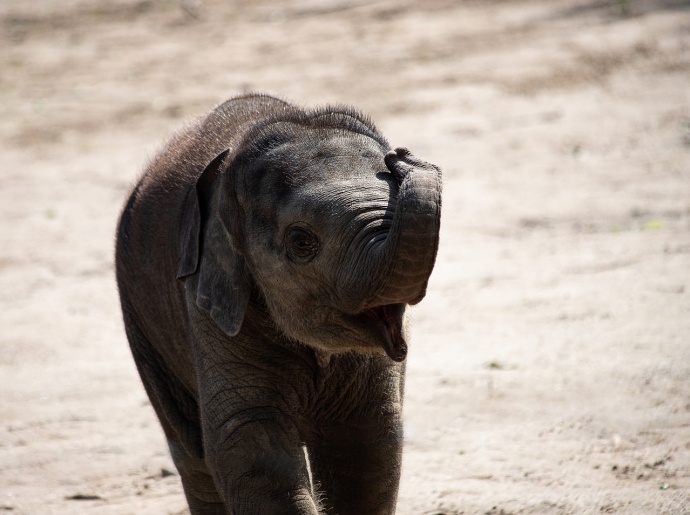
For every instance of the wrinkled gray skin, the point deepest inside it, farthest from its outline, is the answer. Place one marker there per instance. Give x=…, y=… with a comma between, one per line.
x=264, y=263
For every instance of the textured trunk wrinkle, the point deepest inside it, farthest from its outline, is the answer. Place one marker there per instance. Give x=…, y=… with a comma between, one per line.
x=412, y=244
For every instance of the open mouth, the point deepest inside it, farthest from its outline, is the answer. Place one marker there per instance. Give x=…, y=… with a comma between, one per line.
x=389, y=320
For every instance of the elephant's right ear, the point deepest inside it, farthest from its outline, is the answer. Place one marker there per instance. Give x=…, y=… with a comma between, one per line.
x=196, y=201
x=211, y=267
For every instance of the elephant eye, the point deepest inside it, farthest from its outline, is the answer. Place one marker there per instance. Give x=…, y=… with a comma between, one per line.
x=301, y=245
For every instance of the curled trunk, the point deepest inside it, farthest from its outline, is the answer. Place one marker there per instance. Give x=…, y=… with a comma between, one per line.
x=408, y=254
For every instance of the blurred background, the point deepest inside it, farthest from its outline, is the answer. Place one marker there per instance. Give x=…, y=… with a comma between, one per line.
x=549, y=366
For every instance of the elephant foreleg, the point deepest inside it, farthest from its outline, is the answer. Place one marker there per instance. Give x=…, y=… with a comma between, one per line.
x=358, y=475
x=259, y=465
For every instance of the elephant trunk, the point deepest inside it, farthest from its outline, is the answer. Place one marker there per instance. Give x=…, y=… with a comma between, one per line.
x=409, y=252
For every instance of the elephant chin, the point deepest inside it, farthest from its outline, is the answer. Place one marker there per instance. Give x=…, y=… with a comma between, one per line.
x=388, y=320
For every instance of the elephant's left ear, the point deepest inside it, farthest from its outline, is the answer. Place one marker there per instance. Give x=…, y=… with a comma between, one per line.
x=210, y=265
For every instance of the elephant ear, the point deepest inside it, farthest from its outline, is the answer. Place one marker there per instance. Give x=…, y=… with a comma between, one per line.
x=210, y=265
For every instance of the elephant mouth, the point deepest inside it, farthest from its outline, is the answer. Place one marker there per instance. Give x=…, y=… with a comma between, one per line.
x=388, y=319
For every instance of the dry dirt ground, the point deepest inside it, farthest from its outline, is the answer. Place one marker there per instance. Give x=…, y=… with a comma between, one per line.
x=550, y=366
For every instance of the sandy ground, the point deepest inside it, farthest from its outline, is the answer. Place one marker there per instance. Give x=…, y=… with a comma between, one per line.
x=550, y=366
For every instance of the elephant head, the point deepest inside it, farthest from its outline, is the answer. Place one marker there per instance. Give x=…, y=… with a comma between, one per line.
x=335, y=231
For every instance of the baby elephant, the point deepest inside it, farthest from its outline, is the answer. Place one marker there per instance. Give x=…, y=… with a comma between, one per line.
x=264, y=263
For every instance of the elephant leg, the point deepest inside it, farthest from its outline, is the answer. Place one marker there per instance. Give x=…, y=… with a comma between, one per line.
x=259, y=465
x=199, y=487
x=357, y=470
x=176, y=410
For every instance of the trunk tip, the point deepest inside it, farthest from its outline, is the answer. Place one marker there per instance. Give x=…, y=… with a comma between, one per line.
x=392, y=160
